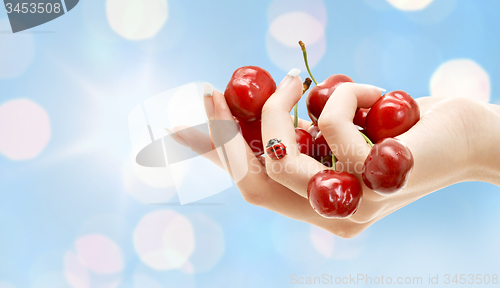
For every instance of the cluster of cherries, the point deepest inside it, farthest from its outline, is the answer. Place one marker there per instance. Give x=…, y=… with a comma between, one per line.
x=332, y=193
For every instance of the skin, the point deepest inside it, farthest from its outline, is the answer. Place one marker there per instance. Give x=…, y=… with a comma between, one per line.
x=448, y=145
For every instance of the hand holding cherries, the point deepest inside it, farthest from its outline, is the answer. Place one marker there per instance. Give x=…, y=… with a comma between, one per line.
x=331, y=193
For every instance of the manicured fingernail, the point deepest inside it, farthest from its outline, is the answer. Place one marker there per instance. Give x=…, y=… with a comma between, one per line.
x=208, y=100
x=170, y=132
x=382, y=90
x=293, y=73
x=177, y=137
x=208, y=89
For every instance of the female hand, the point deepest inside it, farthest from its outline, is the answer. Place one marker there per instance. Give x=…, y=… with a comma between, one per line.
x=443, y=144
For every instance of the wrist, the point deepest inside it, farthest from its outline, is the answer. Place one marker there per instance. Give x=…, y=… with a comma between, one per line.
x=485, y=154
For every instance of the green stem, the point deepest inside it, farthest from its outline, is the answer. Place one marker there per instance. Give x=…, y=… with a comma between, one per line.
x=367, y=139
x=304, y=52
x=334, y=161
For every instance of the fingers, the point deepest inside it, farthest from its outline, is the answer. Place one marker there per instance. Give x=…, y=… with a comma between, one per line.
x=234, y=152
x=276, y=120
x=294, y=170
x=197, y=141
x=336, y=124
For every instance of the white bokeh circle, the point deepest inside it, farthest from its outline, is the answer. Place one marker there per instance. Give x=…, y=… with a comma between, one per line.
x=164, y=240
x=291, y=27
x=461, y=78
x=283, y=36
x=99, y=254
x=137, y=19
x=24, y=129
x=76, y=273
x=410, y=5
x=17, y=51
x=210, y=244
x=148, y=185
x=322, y=241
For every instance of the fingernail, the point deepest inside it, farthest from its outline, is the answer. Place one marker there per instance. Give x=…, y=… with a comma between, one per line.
x=293, y=73
x=170, y=132
x=176, y=136
x=208, y=91
x=382, y=90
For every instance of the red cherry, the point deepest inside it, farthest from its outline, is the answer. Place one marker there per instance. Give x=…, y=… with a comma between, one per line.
x=360, y=117
x=305, y=141
x=321, y=147
x=388, y=166
x=247, y=92
x=317, y=97
x=392, y=115
x=313, y=130
x=252, y=132
x=334, y=194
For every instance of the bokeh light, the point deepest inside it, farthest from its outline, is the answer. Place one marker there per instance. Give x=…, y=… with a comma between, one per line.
x=291, y=27
x=461, y=78
x=99, y=254
x=410, y=5
x=17, y=51
x=164, y=240
x=148, y=185
x=209, y=245
x=437, y=12
x=137, y=19
x=76, y=273
x=24, y=129
x=322, y=241
x=293, y=21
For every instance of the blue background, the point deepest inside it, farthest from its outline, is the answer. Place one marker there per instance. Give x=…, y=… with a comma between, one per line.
x=87, y=78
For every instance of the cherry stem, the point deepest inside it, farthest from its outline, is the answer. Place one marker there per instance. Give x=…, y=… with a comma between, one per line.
x=367, y=139
x=304, y=52
x=305, y=87
x=334, y=161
